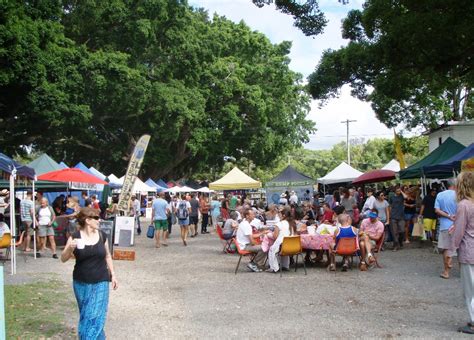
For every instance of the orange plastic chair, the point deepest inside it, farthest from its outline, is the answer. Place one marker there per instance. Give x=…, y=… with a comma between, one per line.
x=291, y=246
x=227, y=243
x=242, y=253
x=347, y=246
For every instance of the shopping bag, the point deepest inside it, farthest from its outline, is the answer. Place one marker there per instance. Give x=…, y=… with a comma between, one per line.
x=150, y=233
x=418, y=228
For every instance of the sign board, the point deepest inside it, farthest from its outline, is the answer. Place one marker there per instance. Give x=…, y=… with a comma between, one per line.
x=86, y=186
x=148, y=213
x=108, y=228
x=124, y=230
x=134, y=165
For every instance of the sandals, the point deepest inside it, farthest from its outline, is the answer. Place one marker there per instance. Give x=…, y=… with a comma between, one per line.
x=446, y=277
x=466, y=329
x=332, y=267
x=363, y=267
x=371, y=259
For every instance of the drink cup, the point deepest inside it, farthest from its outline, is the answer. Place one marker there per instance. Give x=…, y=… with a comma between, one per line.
x=80, y=243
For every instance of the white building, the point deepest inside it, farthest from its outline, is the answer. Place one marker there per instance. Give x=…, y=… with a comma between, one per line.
x=462, y=132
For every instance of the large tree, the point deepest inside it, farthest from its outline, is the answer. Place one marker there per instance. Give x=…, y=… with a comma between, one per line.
x=101, y=73
x=411, y=59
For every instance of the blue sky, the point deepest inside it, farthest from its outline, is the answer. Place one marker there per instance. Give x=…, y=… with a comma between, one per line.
x=305, y=55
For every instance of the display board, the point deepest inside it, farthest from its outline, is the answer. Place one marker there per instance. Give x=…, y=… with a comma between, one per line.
x=108, y=228
x=124, y=231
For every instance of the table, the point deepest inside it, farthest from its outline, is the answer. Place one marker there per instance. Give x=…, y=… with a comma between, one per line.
x=309, y=242
x=317, y=241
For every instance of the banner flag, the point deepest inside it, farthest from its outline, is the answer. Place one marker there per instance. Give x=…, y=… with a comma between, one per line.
x=134, y=165
x=398, y=151
x=467, y=165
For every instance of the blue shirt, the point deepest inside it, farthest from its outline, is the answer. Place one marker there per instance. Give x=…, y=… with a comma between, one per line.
x=159, y=207
x=215, y=208
x=446, y=201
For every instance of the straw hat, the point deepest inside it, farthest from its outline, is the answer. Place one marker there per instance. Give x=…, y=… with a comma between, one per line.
x=4, y=192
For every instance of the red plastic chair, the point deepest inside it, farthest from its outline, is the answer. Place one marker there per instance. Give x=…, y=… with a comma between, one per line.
x=348, y=247
x=242, y=253
x=227, y=243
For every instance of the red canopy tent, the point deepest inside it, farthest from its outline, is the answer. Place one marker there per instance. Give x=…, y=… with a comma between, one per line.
x=375, y=176
x=70, y=175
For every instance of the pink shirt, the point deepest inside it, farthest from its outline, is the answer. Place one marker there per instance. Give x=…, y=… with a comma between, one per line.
x=463, y=234
x=374, y=230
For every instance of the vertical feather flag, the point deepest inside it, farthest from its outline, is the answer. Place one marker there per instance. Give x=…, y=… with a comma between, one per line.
x=398, y=151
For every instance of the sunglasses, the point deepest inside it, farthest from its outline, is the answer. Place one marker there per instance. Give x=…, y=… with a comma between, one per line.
x=94, y=217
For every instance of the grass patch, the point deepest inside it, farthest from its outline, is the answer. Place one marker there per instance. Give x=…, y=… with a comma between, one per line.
x=40, y=310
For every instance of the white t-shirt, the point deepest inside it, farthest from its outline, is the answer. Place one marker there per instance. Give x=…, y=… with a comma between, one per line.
x=244, y=233
x=293, y=199
x=283, y=201
x=369, y=204
x=4, y=229
x=284, y=230
x=44, y=216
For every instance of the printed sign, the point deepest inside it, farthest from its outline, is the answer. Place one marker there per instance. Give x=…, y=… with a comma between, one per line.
x=132, y=172
x=124, y=228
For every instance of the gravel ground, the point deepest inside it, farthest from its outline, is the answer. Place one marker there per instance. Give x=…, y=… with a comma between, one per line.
x=192, y=292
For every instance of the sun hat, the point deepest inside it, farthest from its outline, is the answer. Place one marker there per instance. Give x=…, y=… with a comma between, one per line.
x=283, y=195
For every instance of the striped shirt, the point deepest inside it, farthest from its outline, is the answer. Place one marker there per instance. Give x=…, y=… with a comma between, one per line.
x=26, y=206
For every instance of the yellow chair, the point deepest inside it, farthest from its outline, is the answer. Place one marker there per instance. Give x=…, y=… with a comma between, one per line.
x=291, y=246
x=5, y=243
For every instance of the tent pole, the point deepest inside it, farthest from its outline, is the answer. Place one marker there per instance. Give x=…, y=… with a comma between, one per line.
x=12, y=222
x=34, y=217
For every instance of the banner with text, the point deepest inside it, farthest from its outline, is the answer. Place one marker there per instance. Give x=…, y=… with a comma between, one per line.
x=132, y=172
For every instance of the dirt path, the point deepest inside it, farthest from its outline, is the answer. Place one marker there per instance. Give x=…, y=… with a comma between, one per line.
x=192, y=292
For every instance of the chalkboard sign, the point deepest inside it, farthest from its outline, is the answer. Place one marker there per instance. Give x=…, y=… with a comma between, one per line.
x=108, y=228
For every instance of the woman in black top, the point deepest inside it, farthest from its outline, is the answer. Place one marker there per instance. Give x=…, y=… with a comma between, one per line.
x=410, y=212
x=92, y=273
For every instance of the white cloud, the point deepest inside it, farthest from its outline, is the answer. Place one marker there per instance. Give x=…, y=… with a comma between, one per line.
x=305, y=55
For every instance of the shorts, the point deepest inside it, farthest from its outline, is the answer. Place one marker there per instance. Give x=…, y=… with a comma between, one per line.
x=429, y=224
x=445, y=242
x=45, y=230
x=161, y=224
x=193, y=220
x=409, y=217
x=27, y=227
x=373, y=243
x=183, y=223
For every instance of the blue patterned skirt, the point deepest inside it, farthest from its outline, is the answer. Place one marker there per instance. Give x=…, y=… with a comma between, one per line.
x=92, y=299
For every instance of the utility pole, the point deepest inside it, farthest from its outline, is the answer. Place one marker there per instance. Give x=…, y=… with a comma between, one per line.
x=347, y=122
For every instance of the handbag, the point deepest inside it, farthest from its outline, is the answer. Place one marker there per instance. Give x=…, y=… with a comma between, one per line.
x=150, y=233
x=418, y=228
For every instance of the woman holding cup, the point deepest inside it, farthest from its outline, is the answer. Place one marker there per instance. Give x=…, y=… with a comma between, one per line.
x=92, y=273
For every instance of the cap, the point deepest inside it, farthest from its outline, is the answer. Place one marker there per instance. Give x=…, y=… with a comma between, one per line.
x=373, y=214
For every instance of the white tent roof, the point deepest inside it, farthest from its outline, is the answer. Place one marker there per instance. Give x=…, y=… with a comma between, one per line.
x=138, y=186
x=393, y=165
x=205, y=190
x=97, y=173
x=342, y=173
x=180, y=189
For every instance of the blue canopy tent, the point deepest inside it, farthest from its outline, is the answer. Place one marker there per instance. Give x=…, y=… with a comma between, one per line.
x=152, y=183
x=97, y=173
x=449, y=167
x=162, y=183
x=14, y=170
x=98, y=192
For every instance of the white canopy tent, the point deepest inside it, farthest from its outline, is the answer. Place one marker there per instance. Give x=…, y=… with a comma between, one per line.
x=205, y=190
x=114, y=179
x=393, y=165
x=342, y=173
x=182, y=189
x=138, y=186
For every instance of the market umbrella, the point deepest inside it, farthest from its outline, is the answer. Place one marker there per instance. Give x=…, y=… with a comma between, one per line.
x=70, y=175
x=375, y=176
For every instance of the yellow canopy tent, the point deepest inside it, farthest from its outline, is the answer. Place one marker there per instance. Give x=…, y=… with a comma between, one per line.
x=235, y=179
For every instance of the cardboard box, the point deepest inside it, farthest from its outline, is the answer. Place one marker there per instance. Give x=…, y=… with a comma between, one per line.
x=125, y=254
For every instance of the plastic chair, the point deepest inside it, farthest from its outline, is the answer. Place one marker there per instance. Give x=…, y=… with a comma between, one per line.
x=5, y=243
x=377, y=250
x=291, y=246
x=347, y=246
x=242, y=253
x=227, y=242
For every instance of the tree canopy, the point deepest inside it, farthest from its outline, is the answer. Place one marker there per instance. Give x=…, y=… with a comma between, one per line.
x=411, y=59
x=83, y=80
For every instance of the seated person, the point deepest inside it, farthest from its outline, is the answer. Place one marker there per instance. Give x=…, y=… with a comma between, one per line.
x=230, y=226
x=246, y=240
x=338, y=211
x=328, y=214
x=4, y=230
x=282, y=229
x=371, y=229
x=345, y=230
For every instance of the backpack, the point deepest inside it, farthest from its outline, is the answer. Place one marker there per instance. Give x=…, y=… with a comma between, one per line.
x=183, y=212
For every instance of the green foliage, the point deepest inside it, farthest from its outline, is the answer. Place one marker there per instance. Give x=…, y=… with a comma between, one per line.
x=84, y=80
x=411, y=59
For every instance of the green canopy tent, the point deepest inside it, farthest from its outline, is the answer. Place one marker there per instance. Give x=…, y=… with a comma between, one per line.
x=42, y=165
x=448, y=149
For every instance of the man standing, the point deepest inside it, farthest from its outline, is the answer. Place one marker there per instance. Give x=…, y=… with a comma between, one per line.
x=160, y=213
x=27, y=213
x=136, y=212
x=246, y=241
x=87, y=200
x=194, y=215
x=204, y=209
x=397, y=218
x=233, y=202
x=445, y=208
x=348, y=202
x=428, y=213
